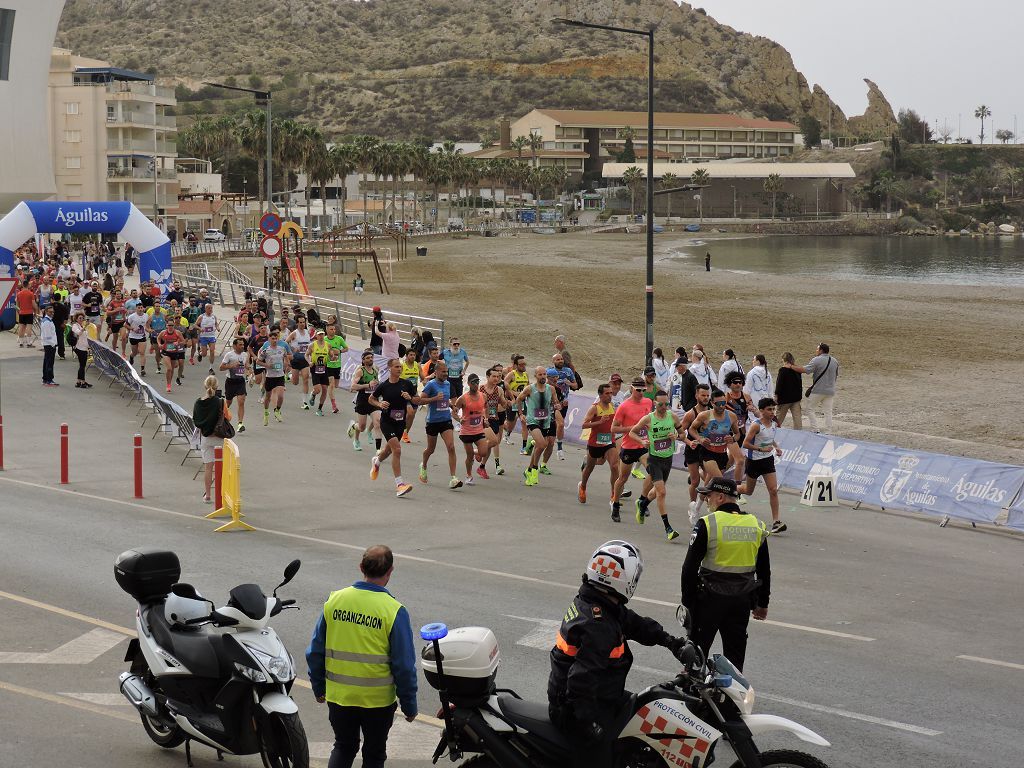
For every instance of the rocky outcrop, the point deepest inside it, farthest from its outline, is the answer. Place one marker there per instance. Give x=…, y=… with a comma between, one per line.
x=878, y=121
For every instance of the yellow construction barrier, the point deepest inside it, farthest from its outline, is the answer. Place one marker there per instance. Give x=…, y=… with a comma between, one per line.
x=231, y=490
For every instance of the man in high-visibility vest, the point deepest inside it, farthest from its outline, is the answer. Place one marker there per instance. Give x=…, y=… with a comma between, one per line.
x=362, y=661
x=727, y=574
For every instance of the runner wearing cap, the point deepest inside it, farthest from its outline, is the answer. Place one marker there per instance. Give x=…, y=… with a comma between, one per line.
x=658, y=432
x=469, y=410
x=364, y=381
x=631, y=450
x=516, y=380
x=619, y=395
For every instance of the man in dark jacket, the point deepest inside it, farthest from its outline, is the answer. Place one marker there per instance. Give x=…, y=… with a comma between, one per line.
x=727, y=574
x=591, y=657
x=60, y=319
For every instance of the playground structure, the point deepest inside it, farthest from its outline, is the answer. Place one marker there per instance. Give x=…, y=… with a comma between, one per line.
x=343, y=254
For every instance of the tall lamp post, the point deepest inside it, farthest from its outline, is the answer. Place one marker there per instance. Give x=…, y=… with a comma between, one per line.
x=262, y=100
x=649, y=288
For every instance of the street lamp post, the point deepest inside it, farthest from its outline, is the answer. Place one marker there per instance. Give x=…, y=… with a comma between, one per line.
x=649, y=287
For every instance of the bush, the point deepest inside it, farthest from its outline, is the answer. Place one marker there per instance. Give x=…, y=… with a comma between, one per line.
x=908, y=224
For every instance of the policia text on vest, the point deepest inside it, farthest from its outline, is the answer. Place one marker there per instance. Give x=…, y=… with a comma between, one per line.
x=362, y=662
x=725, y=577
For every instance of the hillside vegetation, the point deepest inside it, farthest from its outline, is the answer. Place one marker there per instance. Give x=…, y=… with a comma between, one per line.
x=441, y=68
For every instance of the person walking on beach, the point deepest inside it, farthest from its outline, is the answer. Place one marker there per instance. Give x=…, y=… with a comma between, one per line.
x=789, y=391
x=707, y=262
x=820, y=395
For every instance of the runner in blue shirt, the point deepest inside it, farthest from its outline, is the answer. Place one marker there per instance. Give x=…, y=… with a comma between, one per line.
x=562, y=378
x=457, y=361
x=437, y=396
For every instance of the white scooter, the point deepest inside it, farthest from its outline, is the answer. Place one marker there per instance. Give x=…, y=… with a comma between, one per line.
x=676, y=723
x=219, y=677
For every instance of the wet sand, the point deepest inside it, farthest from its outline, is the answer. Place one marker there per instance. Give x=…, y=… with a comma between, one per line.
x=933, y=367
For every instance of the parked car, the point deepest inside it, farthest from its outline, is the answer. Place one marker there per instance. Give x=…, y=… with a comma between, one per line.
x=357, y=229
x=214, y=236
x=456, y=224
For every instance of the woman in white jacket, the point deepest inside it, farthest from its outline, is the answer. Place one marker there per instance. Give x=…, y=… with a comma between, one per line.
x=662, y=371
x=759, y=382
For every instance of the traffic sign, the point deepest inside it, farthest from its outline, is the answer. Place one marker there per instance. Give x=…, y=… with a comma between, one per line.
x=270, y=247
x=7, y=288
x=270, y=224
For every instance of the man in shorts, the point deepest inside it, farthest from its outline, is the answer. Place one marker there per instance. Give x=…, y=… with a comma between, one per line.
x=631, y=450
x=319, y=356
x=394, y=397
x=540, y=401
x=761, y=449
x=563, y=379
x=136, y=322
x=209, y=327
x=155, y=325
x=436, y=395
x=658, y=432
x=276, y=358
x=236, y=363
x=255, y=345
x=601, y=442
x=714, y=431
x=171, y=342
x=516, y=380
x=190, y=313
x=27, y=308
x=411, y=373
x=691, y=452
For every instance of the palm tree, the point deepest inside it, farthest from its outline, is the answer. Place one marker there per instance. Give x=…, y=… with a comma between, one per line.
x=319, y=170
x=1014, y=176
x=311, y=143
x=519, y=144
x=251, y=136
x=435, y=173
x=419, y=162
x=288, y=151
x=981, y=113
x=773, y=186
x=363, y=148
x=536, y=144
x=669, y=181
x=385, y=158
x=632, y=177
x=700, y=178
x=343, y=163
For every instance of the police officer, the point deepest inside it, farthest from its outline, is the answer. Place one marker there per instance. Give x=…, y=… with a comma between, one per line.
x=591, y=658
x=361, y=659
x=727, y=574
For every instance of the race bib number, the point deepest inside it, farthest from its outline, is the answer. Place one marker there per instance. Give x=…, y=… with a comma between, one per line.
x=172, y=347
x=238, y=371
x=444, y=405
x=662, y=445
x=474, y=421
x=541, y=413
x=492, y=411
x=396, y=414
x=303, y=346
x=604, y=438
x=278, y=365
x=320, y=369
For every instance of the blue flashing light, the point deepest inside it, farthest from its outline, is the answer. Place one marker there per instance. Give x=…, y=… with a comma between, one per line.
x=436, y=631
x=723, y=681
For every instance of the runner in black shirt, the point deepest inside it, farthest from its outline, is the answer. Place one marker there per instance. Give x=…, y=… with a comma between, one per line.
x=394, y=396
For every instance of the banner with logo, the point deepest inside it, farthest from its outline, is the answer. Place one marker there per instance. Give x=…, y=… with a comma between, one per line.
x=882, y=475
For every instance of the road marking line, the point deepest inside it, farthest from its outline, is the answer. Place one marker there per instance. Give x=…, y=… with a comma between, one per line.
x=993, y=662
x=413, y=558
x=851, y=715
x=102, y=699
x=67, y=613
x=55, y=699
x=81, y=650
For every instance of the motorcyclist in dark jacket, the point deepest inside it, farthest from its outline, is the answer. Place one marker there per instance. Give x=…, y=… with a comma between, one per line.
x=591, y=657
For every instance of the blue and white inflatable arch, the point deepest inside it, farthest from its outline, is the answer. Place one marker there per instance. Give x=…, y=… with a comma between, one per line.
x=121, y=218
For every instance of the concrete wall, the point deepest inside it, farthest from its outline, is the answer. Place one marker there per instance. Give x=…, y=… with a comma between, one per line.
x=27, y=171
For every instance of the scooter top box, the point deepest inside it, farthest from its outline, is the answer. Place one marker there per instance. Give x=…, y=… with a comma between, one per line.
x=147, y=573
x=469, y=660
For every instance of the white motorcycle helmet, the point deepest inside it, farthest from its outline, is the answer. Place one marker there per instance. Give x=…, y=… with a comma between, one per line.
x=616, y=565
x=178, y=610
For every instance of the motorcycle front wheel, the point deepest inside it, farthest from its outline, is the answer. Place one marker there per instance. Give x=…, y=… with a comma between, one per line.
x=283, y=742
x=786, y=758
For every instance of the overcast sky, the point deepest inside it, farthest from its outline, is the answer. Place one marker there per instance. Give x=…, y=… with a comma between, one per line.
x=941, y=58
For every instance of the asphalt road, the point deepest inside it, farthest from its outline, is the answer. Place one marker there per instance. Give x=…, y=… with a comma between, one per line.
x=870, y=619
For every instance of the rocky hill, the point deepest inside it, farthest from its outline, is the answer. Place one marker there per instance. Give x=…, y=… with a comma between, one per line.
x=443, y=68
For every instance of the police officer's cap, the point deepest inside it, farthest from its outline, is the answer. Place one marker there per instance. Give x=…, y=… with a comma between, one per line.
x=720, y=485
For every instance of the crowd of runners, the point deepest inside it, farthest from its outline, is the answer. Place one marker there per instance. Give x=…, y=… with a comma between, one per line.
x=723, y=421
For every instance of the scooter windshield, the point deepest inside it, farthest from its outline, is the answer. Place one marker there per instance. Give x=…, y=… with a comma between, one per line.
x=250, y=600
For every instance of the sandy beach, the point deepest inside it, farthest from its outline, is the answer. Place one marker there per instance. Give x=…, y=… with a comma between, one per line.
x=922, y=364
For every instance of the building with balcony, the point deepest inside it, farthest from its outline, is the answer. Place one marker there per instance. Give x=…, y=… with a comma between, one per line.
x=112, y=133
x=599, y=136
x=27, y=28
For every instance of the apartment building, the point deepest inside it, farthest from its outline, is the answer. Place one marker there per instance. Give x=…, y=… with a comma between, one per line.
x=600, y=135
x=112, y=134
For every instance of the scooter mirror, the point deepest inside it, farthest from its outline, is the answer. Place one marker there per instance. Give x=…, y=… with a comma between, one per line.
x=684, y=618
x=289, y=573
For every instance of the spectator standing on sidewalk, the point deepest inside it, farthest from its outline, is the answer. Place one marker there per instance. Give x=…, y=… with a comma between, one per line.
x=60, y=320
x=48, y=337
x=824, y=371
x=81, y=347
x=206, y=413
x=789, y=391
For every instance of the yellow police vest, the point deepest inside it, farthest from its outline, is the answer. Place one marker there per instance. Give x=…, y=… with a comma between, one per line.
x=733, y=542
x=358, y=647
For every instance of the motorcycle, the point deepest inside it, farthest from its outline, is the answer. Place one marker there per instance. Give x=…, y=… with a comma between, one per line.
x=218, y=677
x=675, y=723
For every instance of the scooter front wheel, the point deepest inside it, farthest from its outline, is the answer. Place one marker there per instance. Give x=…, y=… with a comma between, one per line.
x=786, y=758
x=162, y=734
x=283, y=742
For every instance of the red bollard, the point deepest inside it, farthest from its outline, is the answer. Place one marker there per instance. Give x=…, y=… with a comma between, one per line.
x=218, y=474
x=63, y=454
x=138, y=466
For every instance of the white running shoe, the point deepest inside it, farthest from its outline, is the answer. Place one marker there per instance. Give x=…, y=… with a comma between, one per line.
x=468, y=480
x=351, y=429
x=561, y=455
x=508, y=439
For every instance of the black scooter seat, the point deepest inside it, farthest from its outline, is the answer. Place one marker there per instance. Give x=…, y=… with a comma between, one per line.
x=533, y=717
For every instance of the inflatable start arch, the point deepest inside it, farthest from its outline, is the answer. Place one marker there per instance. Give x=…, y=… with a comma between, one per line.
x=120, y=218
